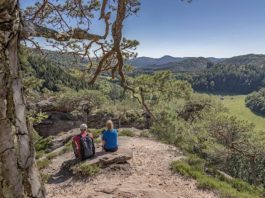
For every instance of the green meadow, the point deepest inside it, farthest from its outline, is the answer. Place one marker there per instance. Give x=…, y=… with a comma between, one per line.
x=236, y=106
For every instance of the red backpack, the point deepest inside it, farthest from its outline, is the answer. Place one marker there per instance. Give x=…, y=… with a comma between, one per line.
x=83, y=146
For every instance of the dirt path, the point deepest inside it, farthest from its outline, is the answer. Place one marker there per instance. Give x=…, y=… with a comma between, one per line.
x=147, y=175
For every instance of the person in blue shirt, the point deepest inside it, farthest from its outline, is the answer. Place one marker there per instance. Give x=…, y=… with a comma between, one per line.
x=110, y=138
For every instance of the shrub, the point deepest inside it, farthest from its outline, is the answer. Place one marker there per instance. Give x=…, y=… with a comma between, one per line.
x=43, y=144
x=145, y=134
x=233, y=188
x=127, y=132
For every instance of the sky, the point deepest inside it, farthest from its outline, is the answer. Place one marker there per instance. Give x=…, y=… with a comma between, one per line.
x=209, y=28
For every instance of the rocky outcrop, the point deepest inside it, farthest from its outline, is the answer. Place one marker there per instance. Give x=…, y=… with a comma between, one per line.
x=58, y=122
x=104, y=159
x=61, y=140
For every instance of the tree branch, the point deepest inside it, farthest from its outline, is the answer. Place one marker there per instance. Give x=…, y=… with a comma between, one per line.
x=31, y=29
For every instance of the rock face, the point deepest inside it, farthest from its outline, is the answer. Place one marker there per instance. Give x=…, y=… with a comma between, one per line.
x=62, y=122
x=61, y=140
x=57, y=122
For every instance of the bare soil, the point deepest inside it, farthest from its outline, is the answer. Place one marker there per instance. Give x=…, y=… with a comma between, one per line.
x=147, y=175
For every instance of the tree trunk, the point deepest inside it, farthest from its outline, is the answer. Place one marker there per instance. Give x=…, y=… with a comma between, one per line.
x=19, y=176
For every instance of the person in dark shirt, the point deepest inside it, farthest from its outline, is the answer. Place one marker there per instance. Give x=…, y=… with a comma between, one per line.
x=76, y=139
x=110, y=138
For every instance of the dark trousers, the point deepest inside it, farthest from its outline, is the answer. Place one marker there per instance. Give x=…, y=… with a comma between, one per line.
x=110, y=150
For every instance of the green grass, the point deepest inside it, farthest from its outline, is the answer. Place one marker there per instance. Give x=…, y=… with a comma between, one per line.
x=44, y=163
x=45, y=177
x=237, y=107
x=87, y=169
x=232, y=188
x=97, y=133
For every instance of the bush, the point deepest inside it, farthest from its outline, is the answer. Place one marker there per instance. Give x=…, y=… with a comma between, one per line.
x=43, y=144
x=127, y=132
x=145, y=134
x=233, y=188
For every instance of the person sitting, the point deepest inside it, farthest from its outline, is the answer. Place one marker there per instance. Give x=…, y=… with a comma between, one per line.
x=110, y=138
x=83, y=143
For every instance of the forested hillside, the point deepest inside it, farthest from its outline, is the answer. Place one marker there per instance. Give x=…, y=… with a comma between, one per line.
x=53, y=69
x=249, y=59
x=64, y=59
x=234, y=79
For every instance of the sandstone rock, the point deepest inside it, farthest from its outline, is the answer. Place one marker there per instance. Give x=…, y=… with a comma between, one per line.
x=46, y=105
x=57, y=122
x=60, y=121
x=61, y=140
x=105, y=158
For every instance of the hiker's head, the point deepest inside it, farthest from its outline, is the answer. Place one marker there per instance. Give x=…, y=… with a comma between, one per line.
x=109, y=124
x=83, y=127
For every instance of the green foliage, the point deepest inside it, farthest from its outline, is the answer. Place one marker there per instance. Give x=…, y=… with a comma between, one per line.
x=202, y=126
x=97, y=133
x=235, y=79
x=43, y=144
x=162, y=86
x=77, y=102
x=38, y=117
x=256, y=101
x=88, y=169
x=233, y=188
x=127, y=132
x=47, y=73
x=145, y=134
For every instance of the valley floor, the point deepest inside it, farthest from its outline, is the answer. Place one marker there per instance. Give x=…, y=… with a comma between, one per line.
x=147, y=175
x=237, y=107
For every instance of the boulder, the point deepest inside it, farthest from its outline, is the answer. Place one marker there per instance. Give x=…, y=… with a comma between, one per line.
x=104, y=159
x=46, y=105
x=61, y=140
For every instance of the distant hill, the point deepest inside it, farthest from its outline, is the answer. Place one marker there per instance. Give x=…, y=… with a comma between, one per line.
x=249, y=59
x=176, y=64
x=143, y=62
x=173, y=63
x=186, y=64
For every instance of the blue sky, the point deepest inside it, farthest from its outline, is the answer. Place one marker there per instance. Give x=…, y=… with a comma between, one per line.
x=219, y=28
